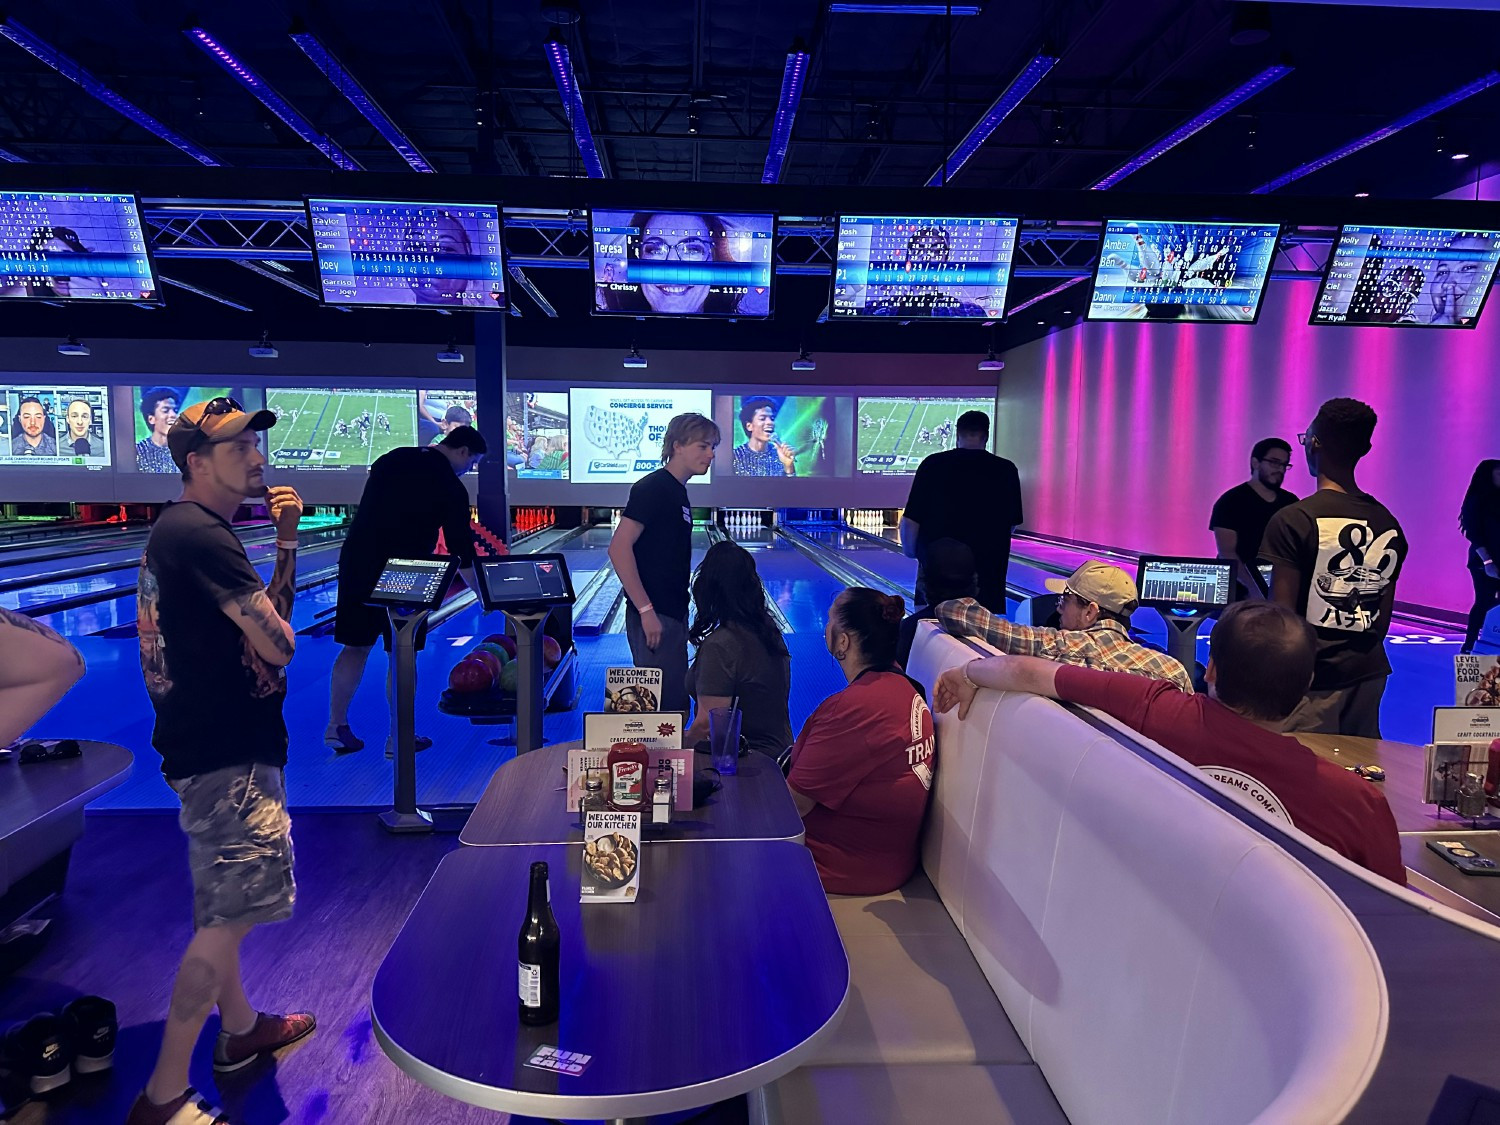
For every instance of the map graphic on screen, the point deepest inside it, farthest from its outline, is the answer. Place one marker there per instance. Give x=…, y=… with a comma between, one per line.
x=1430, y=277
x=894, y=434
x=915, y=268
x=616, y=434
x=156, y=408
x=536, y=434
x=1182, y=271
x=337, y=428
x=390, y=253
x=62, y=246
x=784, y=436
x=677, y=263
x=45, y=424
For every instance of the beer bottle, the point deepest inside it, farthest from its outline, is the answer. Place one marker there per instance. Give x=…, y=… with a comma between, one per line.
x=538, y=949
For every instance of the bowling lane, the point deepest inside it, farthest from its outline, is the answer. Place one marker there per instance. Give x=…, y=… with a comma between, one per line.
x=797, y=586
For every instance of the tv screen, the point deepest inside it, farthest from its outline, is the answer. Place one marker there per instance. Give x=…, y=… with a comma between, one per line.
x=922, y=268
x=786, y=436
x=1430, y=277
x=47, y=424
x=413, y=583
x=442, y=410
x=617, y=434
x=536, y=434
x=337, y=427
x=155, y=409
x=680, y=263
x=894, y=434
x=382, y=253
x=1185, y=583
x=1180, y=271
x=525, y=580
x=67, y=246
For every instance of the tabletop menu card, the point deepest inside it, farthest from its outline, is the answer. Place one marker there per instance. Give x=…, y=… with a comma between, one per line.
x=657, y=730
x=632, y=690
x=611, y=857
x=1476, y=680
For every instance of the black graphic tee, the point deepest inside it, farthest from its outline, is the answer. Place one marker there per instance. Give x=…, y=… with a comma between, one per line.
x=664, y=550
x=1242, y=511
x=1349, y=551
x=217, y=702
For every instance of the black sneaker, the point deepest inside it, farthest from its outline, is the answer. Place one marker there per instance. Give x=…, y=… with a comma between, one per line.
x=92, y=1028
x=38, y=1049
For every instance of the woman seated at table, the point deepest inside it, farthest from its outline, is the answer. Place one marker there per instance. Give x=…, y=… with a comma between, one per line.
x=862, y=766
x=741, y=654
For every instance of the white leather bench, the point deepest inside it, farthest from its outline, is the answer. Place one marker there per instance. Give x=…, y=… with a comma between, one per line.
x=1090, y=941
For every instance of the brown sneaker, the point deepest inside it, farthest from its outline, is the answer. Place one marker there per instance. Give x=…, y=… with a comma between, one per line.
x=270, y=1033
x=190, y=1108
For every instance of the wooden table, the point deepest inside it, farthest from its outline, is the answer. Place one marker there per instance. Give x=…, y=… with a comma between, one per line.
x=1403, y=765
x=1434, y=875
x=723, y=976
x=524, y=804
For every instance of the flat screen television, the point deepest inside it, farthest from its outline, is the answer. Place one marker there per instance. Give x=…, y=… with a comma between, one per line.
x=1424, y=277
x=525, y=580
x=780, y=436
x=73, y=246
x=413, y=583
x=156, y=407
x=892, y=435
x=683, y=263
x=337, y=427
x=45, y=424
x=1182, y=271
x=615, y=433
x=536, y=434
x=386, y=253
x=922, y=267
x=1175, y=582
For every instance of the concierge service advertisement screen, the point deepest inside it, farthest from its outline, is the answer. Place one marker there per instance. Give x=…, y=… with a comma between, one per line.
x=617, y=434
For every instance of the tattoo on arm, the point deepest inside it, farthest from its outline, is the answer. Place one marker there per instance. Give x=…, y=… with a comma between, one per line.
x=259, y=611
x=21, y=621
x=283, y=585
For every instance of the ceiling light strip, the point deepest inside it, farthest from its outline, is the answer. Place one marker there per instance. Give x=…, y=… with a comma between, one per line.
x=12, y=157
x=1040, y=297
x=561, y=62
x=792, y=78
x=1004, y=105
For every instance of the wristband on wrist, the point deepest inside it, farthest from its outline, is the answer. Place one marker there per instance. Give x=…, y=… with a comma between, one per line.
x=967, y=680
x=647, y=608
x=286, y=545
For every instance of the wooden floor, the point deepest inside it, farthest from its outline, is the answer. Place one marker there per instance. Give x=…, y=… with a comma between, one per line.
x=126, y=917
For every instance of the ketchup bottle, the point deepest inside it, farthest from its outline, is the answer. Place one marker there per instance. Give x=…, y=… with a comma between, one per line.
x=627, y=776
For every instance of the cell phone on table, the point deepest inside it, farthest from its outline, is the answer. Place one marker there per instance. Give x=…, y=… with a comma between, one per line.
x=1464, y=858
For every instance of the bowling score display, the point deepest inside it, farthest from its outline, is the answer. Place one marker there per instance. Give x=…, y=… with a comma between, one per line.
x=1425, y=277
x=918, y=268
x=683, y=263
x=616, y=434
x=1170, y=582
x=73, y=246
x=1175, y=271
x=413, y=584
x=515, y=582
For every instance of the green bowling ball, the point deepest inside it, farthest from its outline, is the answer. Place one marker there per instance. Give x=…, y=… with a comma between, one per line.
x=510, y=675
x=498, y=649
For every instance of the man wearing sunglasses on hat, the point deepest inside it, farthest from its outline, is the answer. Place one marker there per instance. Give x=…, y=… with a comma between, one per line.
x=215, y=643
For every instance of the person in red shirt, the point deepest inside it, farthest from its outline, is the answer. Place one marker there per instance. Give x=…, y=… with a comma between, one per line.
x=1261, y=662
x=862, y=767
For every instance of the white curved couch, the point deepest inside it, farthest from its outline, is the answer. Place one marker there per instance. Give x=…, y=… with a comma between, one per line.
x=1092, y=941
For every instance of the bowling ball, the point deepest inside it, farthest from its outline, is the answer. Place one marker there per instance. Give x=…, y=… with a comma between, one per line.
x=497, y=650
x=470, y=677
x=510, y=675
x=489, y=659
x=551, y=652
x=508, y=643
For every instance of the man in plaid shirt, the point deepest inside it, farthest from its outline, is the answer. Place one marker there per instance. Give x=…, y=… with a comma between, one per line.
x=1096, y=604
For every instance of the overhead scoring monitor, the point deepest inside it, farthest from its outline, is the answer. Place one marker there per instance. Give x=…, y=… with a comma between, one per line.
x=1177, y=582
x=1175, y=271
x=683, y=263
x=73, y=246
x=922, y=267
x=1427, y=277
x=413, y=583
x=515, y=582
x=385, y=252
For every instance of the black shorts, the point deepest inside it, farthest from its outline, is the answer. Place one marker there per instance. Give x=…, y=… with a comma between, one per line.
x=361, y=625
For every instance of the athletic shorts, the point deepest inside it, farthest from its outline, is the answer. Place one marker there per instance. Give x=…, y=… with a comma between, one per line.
x=239, y=845
x=361, y=625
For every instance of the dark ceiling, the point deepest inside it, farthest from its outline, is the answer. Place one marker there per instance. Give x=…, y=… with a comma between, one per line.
x=684, y=91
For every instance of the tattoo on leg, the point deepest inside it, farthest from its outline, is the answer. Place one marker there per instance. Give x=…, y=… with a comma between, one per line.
x=21, y=621
x=196, y=990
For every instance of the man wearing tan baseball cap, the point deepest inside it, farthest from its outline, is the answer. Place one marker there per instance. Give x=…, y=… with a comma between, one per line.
x=1095, y=606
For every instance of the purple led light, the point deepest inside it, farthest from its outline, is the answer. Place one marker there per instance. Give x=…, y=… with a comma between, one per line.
x=1478, y=86
x=561, y=63
x=1054, y=291
x=1224, y=105
x=1005, y=104
x=346, y=84
x=273, y=101
x=11, y=157
x=786, y=115
x=73, y=72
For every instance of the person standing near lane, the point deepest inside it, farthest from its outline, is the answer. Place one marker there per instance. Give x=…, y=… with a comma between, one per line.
x=1240, y=516
x=652, y=552
x=1480, y=521
x=1336, y=558
x=941, y=506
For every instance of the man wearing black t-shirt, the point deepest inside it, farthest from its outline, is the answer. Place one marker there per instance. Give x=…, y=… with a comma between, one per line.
x=1239, y=518
x=1336, y=558
x=652, y=552
x=411, y=495
x=967, y=494
x=214, y=645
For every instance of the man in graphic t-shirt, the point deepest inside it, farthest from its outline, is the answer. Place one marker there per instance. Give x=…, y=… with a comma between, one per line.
x=1336, y=557
x=1239, y=518
x=652, y=552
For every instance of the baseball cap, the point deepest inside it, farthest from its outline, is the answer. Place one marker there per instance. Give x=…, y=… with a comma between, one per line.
x=1097, y=581
x=218, y=419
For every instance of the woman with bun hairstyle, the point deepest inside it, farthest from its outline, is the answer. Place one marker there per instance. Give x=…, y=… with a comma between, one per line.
x=862, y=767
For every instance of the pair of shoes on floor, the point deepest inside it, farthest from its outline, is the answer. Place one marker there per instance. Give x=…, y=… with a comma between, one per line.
x=343, y=740
x=47, y=1050
x=421, y=744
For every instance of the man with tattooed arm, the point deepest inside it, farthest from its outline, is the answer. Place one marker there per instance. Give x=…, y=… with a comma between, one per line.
x=215, y=643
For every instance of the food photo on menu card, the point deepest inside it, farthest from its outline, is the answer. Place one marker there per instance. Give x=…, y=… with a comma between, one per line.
x=611, y=857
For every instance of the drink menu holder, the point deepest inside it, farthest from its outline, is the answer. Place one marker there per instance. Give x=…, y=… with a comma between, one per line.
x=1464, y=743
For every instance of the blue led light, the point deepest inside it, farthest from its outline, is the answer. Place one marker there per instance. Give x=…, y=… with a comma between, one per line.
x=1004, y=105
x=1040, y=297
x=1228, y=102
x=12, y=157
x=272, y=100
x=75, y=73
x=346, y=84
x=903, y=9
x=786, y=114
x=561, y=63
x=1478, y=86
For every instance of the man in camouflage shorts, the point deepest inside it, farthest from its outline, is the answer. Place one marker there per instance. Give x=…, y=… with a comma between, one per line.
x=215, y=643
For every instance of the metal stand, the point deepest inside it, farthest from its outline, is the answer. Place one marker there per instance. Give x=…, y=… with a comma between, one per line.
x=529, y=678
x=404, y=816
x=1182, y=637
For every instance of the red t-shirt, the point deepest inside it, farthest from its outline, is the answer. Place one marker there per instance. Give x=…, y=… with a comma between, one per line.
x=866, y=756
x=1285, y=778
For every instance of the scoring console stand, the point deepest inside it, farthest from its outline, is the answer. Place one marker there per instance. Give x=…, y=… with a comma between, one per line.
x=1186, y=591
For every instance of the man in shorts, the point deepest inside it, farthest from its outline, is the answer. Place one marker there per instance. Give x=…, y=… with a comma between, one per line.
x=215, y=643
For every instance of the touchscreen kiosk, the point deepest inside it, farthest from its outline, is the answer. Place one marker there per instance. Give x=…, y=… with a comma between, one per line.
x=525, y=582
x=1171, y=582
x=1263, y=574
x=413, y=584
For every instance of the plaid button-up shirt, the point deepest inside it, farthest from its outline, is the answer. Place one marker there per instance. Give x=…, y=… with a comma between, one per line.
x=1105, y=645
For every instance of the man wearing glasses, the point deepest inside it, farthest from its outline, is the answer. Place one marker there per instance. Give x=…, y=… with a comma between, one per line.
x=1240, y=516
x=214, y=645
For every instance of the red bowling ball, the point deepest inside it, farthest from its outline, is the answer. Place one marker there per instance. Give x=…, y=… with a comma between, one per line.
x=551, y=652
x=471, y=677
x=508, y=643
x=489, y=659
